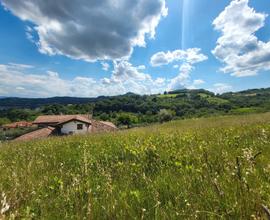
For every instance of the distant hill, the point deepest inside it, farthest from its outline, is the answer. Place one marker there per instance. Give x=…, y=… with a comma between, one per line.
x=249, y=92
x=133, y=110
x=14, y=102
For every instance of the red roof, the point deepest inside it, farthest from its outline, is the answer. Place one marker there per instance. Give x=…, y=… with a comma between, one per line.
x=102, y=126
x=59, y=119
x=76, y=118
x=38, y=134
x=19, y=124
x=108, y=123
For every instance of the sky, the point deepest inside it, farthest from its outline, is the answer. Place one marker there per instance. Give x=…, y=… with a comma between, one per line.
x=89, y=48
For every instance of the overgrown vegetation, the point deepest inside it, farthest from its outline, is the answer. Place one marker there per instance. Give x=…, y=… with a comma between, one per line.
x=13, y=133
x=212, y=168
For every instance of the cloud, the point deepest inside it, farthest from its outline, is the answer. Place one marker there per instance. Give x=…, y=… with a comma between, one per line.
x=19, y=66
x=125, y=78
x=29, y=34
x=105, y=66
x=238, y=47
x=160, y=81
x=123, y=70
x=221, y=88
x=182, y=79
x=52, y=74
x=195, y=84
x=90, y=30
x=198, y=82
x=129, y=78
x=30, y=85
x=192, y=55
x=141, y=67
x=188, y=58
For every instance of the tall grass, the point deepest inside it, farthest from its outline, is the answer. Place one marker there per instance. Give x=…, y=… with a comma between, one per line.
x=214, y=168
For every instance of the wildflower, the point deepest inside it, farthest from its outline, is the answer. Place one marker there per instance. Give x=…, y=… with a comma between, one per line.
x=253, y=217
x=248, y=153
x=4, y=205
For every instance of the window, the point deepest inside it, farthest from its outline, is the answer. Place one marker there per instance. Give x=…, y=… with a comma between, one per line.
x=79, y=126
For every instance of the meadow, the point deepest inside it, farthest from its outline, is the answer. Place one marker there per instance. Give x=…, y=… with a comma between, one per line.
x=208, y=168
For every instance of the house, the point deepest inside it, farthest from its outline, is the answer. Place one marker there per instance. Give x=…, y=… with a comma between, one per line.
x=65, y=124
x=19, y=124
x=56, y=125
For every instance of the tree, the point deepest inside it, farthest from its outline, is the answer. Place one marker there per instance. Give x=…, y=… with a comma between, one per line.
x=127, y=119
x=104, y=117
x=4, y=121
x=165, y=115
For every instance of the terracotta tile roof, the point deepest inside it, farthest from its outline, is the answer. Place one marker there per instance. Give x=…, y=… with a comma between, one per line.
x=38, y=134
x=102, y=126
x=19, y=124
x=108, y=123
x=76, y=118
x=56, y=119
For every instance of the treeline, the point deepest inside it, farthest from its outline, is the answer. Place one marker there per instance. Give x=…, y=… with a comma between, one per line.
x=131, y=109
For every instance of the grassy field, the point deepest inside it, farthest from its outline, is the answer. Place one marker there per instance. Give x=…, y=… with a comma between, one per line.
x=213, y=100
x=212, y=168
x=167, y=96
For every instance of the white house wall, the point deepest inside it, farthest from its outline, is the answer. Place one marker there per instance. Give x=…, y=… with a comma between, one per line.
x=71, y=127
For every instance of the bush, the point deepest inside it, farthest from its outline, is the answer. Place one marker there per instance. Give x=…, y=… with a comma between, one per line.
x=4, y=121
x=127, y=119
x=165, y=115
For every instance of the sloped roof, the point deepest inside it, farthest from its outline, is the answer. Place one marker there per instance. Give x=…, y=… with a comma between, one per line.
x=102, y=126
x=76, y=118
x=18, y=124
x=108, y=123
x=57, y=119
x=38, y=134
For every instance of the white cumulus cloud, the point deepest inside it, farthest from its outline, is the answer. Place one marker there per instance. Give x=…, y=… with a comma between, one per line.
x=195, y=84
x=182, y=79
x=89, y=30
x=186, y=59
x=198, y=82
x=124, y=78
x=191, y=55
x=105, y=66
x=130, y=78
x=242, y=53
x=220, y=88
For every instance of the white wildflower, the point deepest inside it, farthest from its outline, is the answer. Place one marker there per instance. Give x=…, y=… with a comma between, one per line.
x=4, y=204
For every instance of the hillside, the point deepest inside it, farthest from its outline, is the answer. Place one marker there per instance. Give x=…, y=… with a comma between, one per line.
x=133, y=110
x=15, y=102
x=211, y=168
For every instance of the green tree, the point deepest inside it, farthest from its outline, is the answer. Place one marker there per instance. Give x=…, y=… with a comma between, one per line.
x=4, y=121
x=104, y=117
x=127, y=119
x=165, y=115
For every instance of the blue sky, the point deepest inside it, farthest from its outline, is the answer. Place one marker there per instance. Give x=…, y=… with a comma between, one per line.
x=89, y=48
